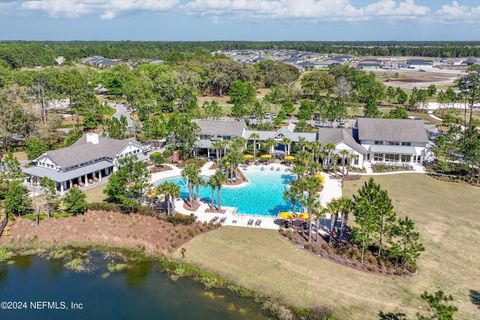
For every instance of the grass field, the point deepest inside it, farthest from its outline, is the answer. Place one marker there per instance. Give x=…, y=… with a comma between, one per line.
x=447, y=216
x=96, y=194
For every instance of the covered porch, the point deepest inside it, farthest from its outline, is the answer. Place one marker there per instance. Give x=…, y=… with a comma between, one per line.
x=394, y=155
x=77, y=178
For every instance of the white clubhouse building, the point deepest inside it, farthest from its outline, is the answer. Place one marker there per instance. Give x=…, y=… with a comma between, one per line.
x=392, y=141
x=87, y=161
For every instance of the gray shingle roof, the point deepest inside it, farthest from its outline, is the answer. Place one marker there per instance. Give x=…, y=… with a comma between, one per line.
x=391, y=130
x=223, y=127
x=337, y=135
x=285, y=132
x=82, y=151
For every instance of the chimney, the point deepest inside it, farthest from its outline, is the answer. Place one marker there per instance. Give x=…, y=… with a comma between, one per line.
x=92, y=137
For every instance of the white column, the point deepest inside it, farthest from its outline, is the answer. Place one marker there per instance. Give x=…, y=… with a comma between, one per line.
x=61, y=187
x=86, y=179
x=100, y=175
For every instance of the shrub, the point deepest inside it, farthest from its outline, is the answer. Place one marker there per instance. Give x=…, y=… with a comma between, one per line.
x=5, y=255
x=182, y=219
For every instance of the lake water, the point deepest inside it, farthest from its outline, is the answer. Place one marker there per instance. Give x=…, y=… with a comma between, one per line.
x=141, y=292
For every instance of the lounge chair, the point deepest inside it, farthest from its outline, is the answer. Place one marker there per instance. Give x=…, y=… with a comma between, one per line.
x=223, y=219
x=250, y=222
x=278, y=169
x=214, y=219
x=234, y=221
x=258, y=223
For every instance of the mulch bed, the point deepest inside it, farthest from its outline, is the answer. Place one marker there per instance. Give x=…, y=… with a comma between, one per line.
x=193, y=208
x=325, y=250
x=155, y=169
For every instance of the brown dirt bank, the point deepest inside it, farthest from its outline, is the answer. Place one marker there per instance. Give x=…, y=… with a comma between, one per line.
x=109, y=229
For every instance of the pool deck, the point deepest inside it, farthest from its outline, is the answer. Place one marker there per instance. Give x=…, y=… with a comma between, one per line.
x=332, y=190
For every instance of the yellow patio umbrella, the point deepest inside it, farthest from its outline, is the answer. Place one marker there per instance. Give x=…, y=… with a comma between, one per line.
x=289, y=158
x=285, y=215
x=303, y=216
x=266, y=156
x=248, y=156
x=320, y=177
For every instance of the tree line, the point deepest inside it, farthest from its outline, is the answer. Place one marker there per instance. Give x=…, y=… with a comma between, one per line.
x=18, y=54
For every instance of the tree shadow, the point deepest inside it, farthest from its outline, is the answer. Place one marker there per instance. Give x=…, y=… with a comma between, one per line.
x=392, y=316
x=475, y=297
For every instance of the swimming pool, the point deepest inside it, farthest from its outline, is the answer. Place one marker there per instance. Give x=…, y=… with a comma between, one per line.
x=263, y=196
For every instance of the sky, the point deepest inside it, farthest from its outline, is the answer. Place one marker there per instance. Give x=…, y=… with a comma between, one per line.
x=257, y=20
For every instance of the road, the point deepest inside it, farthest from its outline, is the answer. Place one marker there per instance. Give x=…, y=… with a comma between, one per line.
x=122, y=110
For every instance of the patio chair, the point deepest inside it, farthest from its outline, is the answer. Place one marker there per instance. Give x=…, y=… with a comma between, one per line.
x=258, y=223
x=250, y=222
x=214, y=219
x=234, y=221
x=223, y=219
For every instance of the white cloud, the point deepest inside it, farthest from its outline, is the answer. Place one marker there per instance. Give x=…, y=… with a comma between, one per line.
x=106, y=9
x=457, y=12
x=310, y=10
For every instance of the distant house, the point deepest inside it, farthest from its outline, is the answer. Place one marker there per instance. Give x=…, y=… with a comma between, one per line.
x=370, y=65
x=88, y=160
x=326, y=64
x=419, y=64
x=393, y=140
x=470, y=61
x=101, y=62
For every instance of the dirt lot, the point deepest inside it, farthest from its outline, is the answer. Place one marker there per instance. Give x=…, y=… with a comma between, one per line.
x=106, y=228
x=407, y=79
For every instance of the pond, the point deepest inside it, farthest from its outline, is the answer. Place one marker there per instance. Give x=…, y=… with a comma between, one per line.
x=142, y=291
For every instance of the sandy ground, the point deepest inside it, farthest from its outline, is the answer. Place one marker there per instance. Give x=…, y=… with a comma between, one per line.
x=106, y=228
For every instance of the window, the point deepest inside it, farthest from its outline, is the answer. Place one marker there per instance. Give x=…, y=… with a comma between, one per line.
x=393, y=143
x=405, y=158
x=378, y=156
x=378, y=142
x=406, y=144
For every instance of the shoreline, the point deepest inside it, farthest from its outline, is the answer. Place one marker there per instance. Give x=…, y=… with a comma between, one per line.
x=172, y=267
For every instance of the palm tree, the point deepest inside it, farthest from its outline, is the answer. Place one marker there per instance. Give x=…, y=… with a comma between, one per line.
x=232, y=160
x=302, y=163
x=293, y=194
x=345, y=208
x=269, y=144
x=328, y=150
x=238, y=144
x=190, y=175
x=310, y=186
x=345, y=155
x=212, y=184
x=286, y=142
x=333, y=208
x=220, y=179
x=254, y=137
x=170, y=190
x=316, y=150
x=302, y=142
x=219, y=145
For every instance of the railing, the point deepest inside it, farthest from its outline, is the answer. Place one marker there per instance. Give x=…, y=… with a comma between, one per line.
x=3, y=225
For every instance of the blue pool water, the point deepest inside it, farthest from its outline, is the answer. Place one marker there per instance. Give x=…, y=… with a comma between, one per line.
x=263, y=196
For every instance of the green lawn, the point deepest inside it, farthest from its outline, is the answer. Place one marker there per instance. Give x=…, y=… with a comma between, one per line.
x=96, y=194
x=447, y=216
